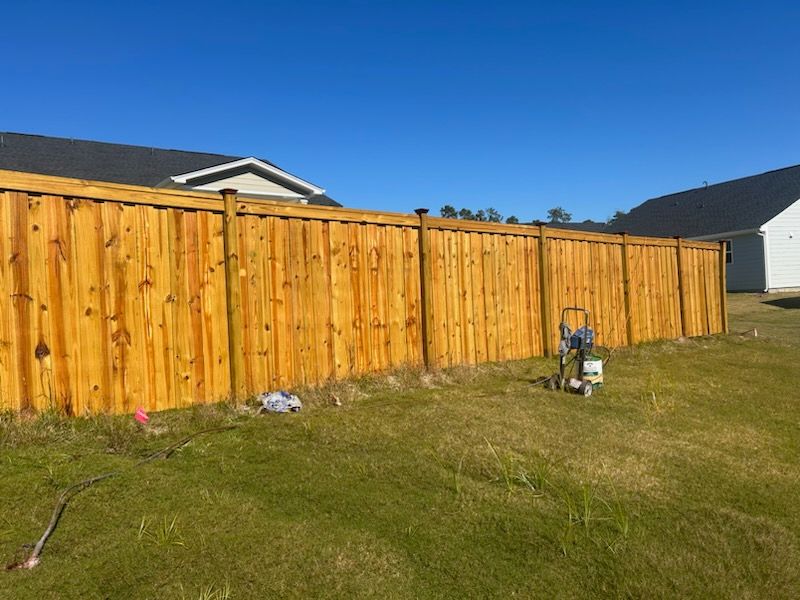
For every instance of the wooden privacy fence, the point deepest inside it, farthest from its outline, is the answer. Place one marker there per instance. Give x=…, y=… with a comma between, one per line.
x=116, y=296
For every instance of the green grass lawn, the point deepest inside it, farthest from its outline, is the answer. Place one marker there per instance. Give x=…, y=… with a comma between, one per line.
x=680, y=479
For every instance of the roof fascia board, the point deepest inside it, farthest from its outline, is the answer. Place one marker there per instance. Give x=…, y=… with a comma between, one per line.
x=724, y=234
x=169, y=184
x=185, y=178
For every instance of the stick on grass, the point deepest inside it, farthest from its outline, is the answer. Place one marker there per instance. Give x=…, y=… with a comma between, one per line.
x=34, y=557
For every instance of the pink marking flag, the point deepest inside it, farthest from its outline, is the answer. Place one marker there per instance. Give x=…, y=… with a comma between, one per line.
x=141, y=416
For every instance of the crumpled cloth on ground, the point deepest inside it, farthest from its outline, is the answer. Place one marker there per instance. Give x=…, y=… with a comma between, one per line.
x=279, y=402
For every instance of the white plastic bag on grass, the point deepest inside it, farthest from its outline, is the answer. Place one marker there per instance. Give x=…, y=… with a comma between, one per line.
x=279, y=402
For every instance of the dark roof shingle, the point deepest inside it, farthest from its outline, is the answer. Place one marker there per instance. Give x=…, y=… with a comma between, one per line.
x=737, y=205
x=102, y=161
x=587, y=225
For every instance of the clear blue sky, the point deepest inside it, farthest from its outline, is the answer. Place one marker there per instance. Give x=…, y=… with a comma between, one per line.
x=394, y=105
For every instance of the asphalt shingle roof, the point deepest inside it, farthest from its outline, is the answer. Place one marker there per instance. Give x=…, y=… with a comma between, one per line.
x=736, y=205
x=101, y=161
x=587, y=225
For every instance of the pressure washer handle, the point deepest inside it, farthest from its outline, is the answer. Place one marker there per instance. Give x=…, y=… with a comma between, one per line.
x=578, y=310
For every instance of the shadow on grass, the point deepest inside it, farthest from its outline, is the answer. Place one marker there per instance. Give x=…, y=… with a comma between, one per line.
x=793, y=302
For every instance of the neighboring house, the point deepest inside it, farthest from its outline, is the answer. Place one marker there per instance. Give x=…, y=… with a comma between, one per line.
x=155, y=167
x=759, y=217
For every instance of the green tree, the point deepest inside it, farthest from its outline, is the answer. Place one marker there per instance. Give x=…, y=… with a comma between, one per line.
x=615, y=217
x=467, y=214
x=490, y=215
x=559, y=215
x=448, y=212
x=493, y=216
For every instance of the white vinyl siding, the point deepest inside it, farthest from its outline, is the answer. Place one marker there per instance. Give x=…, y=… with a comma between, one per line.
x=746, y=269
x=249, y=183
x=783, y=238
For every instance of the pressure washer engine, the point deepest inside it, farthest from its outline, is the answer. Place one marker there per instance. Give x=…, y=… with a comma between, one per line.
x=575, y=355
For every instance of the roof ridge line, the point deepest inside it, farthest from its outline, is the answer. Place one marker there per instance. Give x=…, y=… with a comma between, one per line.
x=723, y=182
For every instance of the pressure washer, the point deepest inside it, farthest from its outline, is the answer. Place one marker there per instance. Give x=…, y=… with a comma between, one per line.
x=575, y=351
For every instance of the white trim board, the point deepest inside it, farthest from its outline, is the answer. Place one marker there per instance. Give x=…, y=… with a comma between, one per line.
x=256, y=165
x=763, y=233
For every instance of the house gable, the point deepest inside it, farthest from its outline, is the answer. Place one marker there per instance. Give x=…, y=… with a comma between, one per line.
x=250, y=177
x=247, y=184
x=782, y=234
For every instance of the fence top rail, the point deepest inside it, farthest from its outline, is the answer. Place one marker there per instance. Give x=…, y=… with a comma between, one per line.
x=211, y=201
x=185, y=199
x=583, y=236
x=559, y=233
x=633, y=240
x=520, y=229
x=700, y=245
x=268, y=208
x=482, y=226
x=671, y=242
x=640, y=240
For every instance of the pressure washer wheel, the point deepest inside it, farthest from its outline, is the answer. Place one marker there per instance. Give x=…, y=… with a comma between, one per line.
x=585, y=389
x=554, y=383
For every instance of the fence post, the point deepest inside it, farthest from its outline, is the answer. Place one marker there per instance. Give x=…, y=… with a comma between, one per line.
x=723, y=284
x=544, y=289
x=233, y=293
x=626, y=287
x=681, y=300
x=425, y=278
